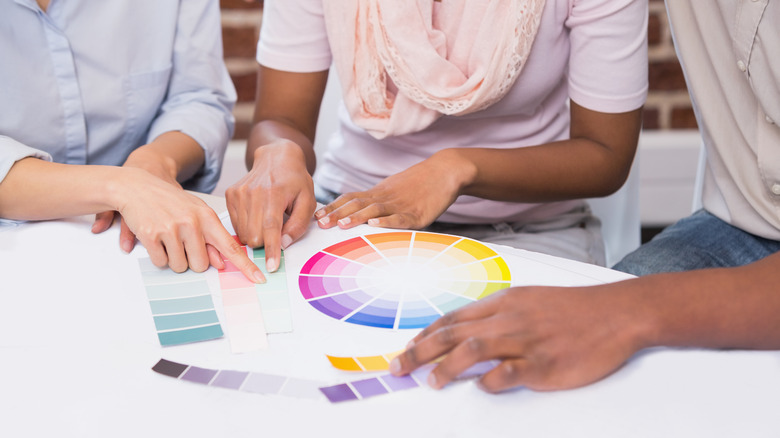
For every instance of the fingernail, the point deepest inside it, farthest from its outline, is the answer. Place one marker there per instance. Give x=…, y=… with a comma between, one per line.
x=395, y=366
x=325, y=220
x=126, y=246
x=272, y=265
x=373, y=222
x=481, y=386
x=410, y=344
x=286, y=241
x=259, y=277
x=432, y=381
x=319, y=213
x=344, y=222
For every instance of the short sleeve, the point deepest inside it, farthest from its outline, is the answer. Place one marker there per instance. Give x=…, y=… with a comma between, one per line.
x=293, y=36
x=608, y=58
x=12, y=151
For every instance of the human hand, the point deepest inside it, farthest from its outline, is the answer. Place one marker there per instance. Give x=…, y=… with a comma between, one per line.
x=177, y=228
x=278, y=183
x=546, y=338
x=412, y=199
x=156, y=163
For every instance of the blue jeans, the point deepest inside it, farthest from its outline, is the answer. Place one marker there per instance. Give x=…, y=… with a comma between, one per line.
x=696, y=242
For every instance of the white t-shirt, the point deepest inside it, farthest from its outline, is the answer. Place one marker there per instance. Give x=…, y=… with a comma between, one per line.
x=592, y=51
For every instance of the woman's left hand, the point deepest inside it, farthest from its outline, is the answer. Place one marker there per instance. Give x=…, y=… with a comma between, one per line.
x=411, y=199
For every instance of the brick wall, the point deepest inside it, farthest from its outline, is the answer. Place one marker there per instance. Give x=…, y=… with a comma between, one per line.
x=668, y=105
x=240, y=30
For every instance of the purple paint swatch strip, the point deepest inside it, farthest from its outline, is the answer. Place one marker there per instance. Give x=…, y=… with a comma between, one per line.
x=387, y=383
x=369, y=387
x=258, y=383
x=199, y=375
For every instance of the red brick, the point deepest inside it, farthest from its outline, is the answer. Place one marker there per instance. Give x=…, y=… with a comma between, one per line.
x=654, y=36
x=240, y=4
x=650, y=119
x=239, y=42
x=243, y=127
x=683, y=118
x=666, y=76
x=246, y=85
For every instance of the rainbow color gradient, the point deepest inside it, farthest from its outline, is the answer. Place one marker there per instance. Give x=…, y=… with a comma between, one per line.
x=400, y=280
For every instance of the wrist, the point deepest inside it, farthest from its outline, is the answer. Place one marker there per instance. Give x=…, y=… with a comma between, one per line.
x=641, y=312
x=114, y=186
x=281, y=150
x=459, y=169
x=154, y=162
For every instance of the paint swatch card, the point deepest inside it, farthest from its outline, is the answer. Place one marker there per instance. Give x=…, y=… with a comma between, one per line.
x=387, y=383
x=400, y=280
x=181, y=304
x=273, y=295
x=258, y=383
x=363, y=363
x=243, y=315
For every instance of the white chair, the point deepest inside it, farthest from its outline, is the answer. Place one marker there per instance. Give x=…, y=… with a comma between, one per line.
x=620, y=219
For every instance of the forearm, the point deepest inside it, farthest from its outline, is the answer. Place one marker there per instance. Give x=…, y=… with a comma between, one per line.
x=172, y=155
x=37, y=190
x=556, y=171
x=713, y=308
x=593, y=162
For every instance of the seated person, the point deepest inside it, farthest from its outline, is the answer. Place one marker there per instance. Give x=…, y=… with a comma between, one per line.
x=92, y=85
x=455, y=119
x=557, y=338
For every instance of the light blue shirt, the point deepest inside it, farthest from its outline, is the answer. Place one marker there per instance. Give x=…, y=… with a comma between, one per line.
x=89, y=81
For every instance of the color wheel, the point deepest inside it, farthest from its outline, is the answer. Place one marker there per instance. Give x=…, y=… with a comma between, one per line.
x=400, y=280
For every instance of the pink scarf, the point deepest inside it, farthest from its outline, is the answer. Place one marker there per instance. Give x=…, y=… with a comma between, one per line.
x=404, y=63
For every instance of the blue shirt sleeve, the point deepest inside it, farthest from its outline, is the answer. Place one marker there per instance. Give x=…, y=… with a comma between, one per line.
x=200, y=93
x=12, y=151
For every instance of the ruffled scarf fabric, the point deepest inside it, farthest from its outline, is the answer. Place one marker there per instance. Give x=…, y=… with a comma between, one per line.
x=404, y=63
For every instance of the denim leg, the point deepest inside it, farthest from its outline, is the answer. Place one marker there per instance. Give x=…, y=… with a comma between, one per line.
x=696, y=242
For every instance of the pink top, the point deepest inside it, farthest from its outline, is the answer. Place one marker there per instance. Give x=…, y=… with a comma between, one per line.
x=592, y=51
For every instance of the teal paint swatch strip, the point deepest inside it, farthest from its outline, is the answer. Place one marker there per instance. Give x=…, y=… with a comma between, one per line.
x=175, y=322
x=274, y=296
x=191, y=304
x=184, y=289
x=181, y=304
x=187, y=336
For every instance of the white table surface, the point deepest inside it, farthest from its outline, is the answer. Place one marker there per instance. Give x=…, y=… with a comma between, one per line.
x=78, y=343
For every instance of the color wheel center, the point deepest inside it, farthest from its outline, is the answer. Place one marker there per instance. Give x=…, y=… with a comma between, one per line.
x=400, y=280
x=406, y=279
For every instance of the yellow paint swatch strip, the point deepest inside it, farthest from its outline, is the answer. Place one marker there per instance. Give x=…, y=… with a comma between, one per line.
x=363, y=363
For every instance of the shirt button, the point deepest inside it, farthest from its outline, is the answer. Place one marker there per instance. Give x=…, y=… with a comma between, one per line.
x=776, y=189
x=741, y=65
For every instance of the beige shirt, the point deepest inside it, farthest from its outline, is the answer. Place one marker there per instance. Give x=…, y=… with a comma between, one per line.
x=731, y=57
